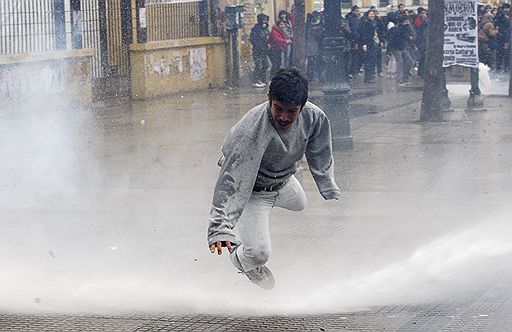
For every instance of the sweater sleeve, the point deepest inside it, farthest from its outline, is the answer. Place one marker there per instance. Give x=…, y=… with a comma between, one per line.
x=237, y=176
x=320, y=159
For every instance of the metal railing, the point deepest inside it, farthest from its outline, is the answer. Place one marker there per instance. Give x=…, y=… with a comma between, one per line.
x=27, y=26
x=176, y=20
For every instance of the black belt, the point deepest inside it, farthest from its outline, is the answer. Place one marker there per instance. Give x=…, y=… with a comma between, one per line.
x=270, y=188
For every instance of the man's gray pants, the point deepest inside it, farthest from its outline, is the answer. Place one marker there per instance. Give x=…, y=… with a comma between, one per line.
x=253, y=226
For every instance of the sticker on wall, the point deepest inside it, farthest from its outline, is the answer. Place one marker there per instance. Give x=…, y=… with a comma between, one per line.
x=198, y=63
x=142, y=18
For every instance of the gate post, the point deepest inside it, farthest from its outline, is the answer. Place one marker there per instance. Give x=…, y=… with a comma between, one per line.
x=203, y=18
x=213, y=28
x=142, y=31
x=126, y=22
x=76, y=24
x=102, y=14
x=59, y=16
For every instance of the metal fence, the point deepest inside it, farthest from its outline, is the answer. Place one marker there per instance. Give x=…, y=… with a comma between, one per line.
x=27, y=26
x=185, y=21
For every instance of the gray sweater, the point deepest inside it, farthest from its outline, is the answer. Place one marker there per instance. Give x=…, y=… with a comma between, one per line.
x=258, y=154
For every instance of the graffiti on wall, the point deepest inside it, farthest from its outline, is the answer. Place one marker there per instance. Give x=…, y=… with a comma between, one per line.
x=165, y=64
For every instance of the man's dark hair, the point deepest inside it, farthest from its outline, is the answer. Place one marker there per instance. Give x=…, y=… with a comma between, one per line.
x=354, y=8
x=262, y=18
x=289, y=86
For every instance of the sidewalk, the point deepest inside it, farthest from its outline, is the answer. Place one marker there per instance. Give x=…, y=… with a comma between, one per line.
x=111, y=220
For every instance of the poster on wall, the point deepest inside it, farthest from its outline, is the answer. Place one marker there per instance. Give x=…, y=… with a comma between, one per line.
x=460, y=33
x=198, y=63
x=142, y=18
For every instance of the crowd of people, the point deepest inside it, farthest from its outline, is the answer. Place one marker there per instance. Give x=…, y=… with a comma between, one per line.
x=494, y=36
x=393, y=44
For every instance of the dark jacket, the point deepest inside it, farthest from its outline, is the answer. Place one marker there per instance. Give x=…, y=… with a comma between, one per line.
x=400, y=37
x=502, y=22
x=353, y=23
x=259, y=39
x=367, y=32
x=314, y=34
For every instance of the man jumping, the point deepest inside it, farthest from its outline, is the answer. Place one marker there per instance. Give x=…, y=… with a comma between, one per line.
x=259, y=159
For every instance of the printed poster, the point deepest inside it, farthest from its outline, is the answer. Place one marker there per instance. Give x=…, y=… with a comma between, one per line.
x=198, y=63
x=460, y=33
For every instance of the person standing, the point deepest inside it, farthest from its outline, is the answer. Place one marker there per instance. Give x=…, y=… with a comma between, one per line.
x=278, y=44
x=314, y=34
x=399, y=39
x=370, y=42
x=502, y=23
x=257, y=174
x=354, y=18
x=287, y=53
x=487, y=41
x=259, y=41
x=381, y=32
x=421, y=27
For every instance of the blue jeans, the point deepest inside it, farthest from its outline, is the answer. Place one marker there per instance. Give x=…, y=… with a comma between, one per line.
x=404, y=63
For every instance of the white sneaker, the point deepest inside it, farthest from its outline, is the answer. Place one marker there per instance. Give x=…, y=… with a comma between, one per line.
x=259, y=85
x=261, y=276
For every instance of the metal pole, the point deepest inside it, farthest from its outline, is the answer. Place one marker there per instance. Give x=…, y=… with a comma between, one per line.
x=510, y=58
x=236, y=62
x=76, y=24
x=59, y=15
x=336, y=89
x=447, y=103
x=126, y=22
x=475, y=100
x=102, y=16
x=228, y=58
x=203, y=18
x=213, y=29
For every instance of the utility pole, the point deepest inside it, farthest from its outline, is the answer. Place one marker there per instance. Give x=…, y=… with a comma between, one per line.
x=299, y=40
x=510, y=57
x=432, y=101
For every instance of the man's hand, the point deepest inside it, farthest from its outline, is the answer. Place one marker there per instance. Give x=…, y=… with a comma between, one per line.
x=218, y=245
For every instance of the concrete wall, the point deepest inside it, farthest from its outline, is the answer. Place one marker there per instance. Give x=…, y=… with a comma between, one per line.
x=165, y=67
x=60, y=77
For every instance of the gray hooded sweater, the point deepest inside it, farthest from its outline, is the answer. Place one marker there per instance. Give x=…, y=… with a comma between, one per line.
x=257, y=154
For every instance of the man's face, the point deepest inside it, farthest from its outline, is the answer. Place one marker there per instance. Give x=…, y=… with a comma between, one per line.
x=284, y=114
x=371, y=15
x=401, y=8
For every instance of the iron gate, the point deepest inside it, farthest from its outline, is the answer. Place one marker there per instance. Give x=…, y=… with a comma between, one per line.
x=28, y=26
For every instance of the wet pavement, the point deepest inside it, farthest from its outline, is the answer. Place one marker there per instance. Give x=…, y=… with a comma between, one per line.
x=104, y=215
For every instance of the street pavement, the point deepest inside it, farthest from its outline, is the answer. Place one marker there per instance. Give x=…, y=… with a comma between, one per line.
x=104, y=216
